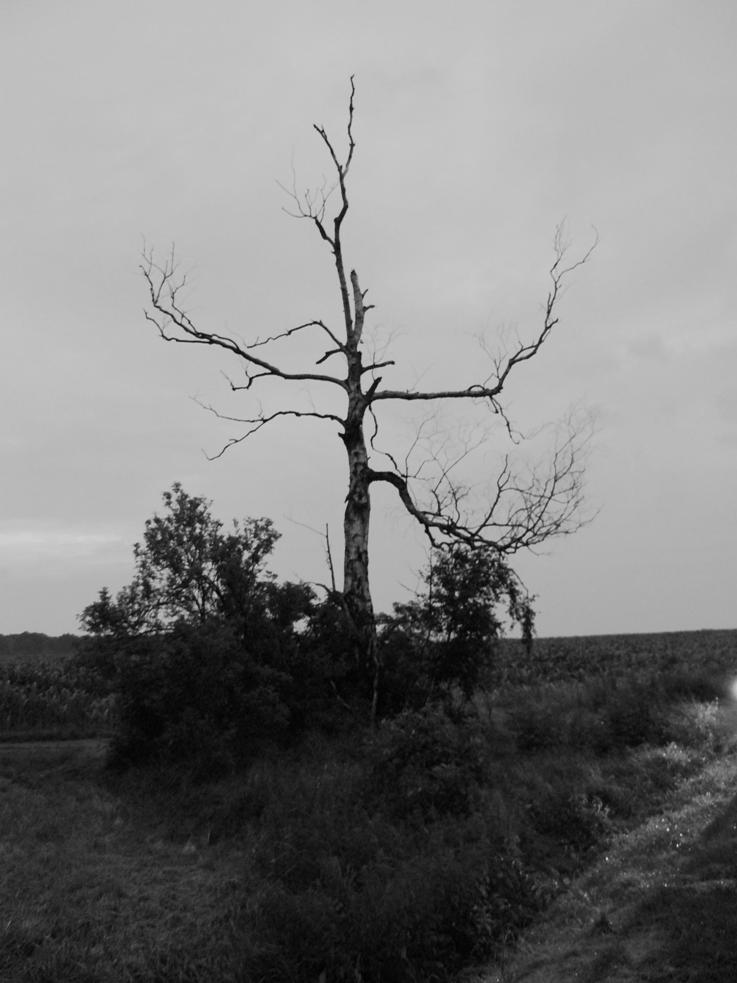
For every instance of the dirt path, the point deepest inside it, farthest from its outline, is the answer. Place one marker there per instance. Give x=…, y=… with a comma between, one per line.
x=660, y=906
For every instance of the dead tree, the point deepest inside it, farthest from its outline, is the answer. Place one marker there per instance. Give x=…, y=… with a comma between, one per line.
x=521, y=512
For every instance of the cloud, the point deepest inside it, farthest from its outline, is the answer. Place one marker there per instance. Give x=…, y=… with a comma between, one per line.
x=32, y=544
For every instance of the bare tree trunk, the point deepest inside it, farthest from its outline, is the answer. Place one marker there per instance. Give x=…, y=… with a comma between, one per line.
x=523, y=511
x=356, y=522
x=356, y=525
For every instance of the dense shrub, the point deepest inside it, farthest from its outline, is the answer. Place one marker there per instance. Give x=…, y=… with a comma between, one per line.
x=445, y=639
x=633, y=711
x=197, y=694
x=420, y=916
x=573, y=817
x=694, y=724
x=428, y=762
x=351, y=891
x=331, y=691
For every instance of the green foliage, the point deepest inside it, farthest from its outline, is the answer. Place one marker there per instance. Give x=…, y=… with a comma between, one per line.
x=188, y=569
x=352, y=889
x=446, y=637
x=573, y=817
x=427, y=763
x=421, y=916
x=612, y=713
x=195, y=694
x=696, y=724
x=201, y=648
x=330, y=691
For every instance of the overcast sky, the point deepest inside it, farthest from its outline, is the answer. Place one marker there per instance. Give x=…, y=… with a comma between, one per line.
x=480, y=126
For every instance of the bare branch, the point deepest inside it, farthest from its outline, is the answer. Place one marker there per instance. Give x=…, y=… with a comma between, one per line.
x=492, y=387
x=256, y=423
x=377, y=365
x=311, y=205
x=328, y=354
x=314, y=208
x=174, y=324
x=343, y=168
x=259, y=343
x=522, y=511
x=475, y=391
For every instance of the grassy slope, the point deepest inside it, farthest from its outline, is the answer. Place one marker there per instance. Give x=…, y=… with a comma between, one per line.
x=661, y=905
x=92, y=890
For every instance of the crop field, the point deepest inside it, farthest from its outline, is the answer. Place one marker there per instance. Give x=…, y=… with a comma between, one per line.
x=577, y=659
x=40, y=699
x=30, y=646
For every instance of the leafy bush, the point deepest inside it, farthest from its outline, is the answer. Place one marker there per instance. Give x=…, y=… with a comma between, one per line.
x=575, y=818
x=330, y=690
x=633, y=711
x=693, y=724
x=204, y=652
x=350, y=893
x=428, y=762
x=421, y=916
x=196, y=694
x=446, y=638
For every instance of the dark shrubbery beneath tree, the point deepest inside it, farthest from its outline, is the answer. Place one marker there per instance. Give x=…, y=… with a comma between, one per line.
x=209, y=655
x=196, y=695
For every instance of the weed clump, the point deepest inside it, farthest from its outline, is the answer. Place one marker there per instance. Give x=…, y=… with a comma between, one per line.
x=428, y=763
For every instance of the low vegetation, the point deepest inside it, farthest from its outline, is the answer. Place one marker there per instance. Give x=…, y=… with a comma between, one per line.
x=401, y=854
x=58, y=699
x=242, y=821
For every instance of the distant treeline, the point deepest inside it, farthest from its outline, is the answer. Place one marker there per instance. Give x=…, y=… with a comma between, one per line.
x=33, y=645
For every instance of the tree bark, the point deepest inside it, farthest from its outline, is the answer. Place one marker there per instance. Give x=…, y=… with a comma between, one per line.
x=356, y=522
x=356, y=527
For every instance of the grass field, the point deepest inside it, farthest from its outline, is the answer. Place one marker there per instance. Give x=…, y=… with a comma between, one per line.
x=597, y=796
x=94, y=888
